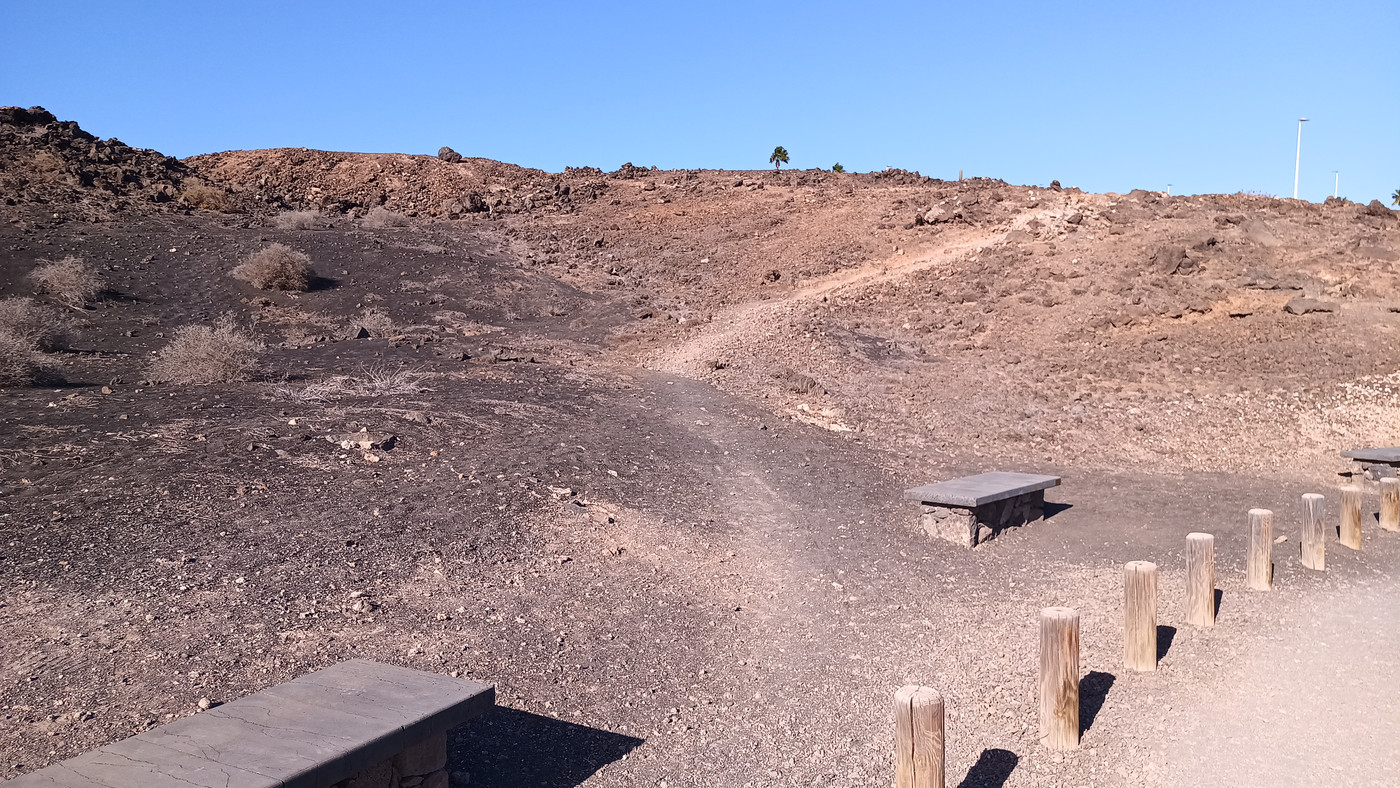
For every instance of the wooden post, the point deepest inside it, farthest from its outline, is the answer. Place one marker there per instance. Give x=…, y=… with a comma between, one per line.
x=1259, y=569
x=1314, y=547
x=1059, y=678
x=1140, y=615
x=918, y=737
x=1390, y=503
x=1200, y=580
x=1350, y=532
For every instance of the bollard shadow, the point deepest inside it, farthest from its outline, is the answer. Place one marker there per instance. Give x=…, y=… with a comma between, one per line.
x=1165, y=636
x=1050, y=509
x=1219, y=597
x=992, y=770
x=1093, y=691
x=509, y=748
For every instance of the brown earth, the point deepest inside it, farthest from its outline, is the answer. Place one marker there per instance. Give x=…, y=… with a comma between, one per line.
x=651, y=430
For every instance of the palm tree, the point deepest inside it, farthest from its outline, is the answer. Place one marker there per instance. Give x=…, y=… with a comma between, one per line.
x=1395, y=198
x=837, y=167
x=779, y=157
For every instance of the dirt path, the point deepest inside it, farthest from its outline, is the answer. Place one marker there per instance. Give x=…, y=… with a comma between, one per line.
x=1314, y=702
x=752, y=322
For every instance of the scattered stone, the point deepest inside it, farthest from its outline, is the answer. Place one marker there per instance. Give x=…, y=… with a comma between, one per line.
x=364, y=441
x=1074, y=218
x=1303, y=306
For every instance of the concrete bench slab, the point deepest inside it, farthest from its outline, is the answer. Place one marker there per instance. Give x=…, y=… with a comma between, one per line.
x=984, y=488
x=974, y=509
x=316, y=731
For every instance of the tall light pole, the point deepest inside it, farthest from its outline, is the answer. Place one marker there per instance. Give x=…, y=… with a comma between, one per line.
x=1336, y=182
x=1298, y=159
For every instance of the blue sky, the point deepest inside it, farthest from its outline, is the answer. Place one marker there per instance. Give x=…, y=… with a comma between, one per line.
x=1104, y=96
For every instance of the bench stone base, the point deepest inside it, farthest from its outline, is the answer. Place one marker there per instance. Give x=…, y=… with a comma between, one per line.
x=970, y=527
x=423, y=765
x=1374, y=471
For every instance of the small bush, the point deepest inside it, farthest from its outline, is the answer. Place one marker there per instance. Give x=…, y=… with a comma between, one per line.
x=221, y=353
x=296, y=220
x=278, y=267
x=379, y=217
x=209, y=198
x=36, y=325
x=69, y=280
x=20, y=363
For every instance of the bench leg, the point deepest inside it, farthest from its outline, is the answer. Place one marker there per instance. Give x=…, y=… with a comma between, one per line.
x=421, y=765
x=971, y=527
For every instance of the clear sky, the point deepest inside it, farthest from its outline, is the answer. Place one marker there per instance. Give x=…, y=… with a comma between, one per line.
x=1107, y=96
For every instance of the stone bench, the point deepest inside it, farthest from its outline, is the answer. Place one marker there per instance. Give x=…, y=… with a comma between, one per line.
x=974, y=509
x=358, y=724
x=1375, y=464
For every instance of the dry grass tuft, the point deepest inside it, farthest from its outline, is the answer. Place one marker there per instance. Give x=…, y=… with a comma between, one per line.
x=369, y=382
x=379, y=218
x=278, y=267
x=20, y=363
x=221, y=353
x=38, y=326
x=297, y=220
x=69, y=280
x=208, y=197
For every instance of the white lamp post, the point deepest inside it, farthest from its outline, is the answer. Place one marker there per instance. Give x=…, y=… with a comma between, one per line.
x=1336, y=182
x=1298, y=159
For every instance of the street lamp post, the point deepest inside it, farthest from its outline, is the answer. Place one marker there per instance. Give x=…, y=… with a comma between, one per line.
x=1336, y=182
x=1298, y=159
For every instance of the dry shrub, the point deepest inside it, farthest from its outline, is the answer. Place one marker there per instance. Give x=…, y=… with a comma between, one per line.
x=69, y=280
x=221, y=353
x=379, y=218
x=278, y=267
x=20, y=363
x=207, y=197
x=296, y=220
x=36, y=325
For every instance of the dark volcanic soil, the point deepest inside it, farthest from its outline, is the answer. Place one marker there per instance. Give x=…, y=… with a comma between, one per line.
x=650, y=435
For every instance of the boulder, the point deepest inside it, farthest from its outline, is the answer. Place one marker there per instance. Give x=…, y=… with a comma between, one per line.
x=1172, y=259
x=448, y=155
x=1302, y=306
x=1377, y=208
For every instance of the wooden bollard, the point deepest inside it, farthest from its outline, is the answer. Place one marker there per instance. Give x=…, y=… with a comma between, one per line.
x=1314, y=542
x=1390, y=504
x=918, y=737
x=1349, y=534
x=1059, y=678
x=1200, y=580
x=1140, y=615
x=1259, y=568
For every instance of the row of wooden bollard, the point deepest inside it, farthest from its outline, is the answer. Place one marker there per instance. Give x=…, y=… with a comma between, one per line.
x=919, y=720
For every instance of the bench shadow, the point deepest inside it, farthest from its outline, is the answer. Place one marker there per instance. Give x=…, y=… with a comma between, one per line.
x=509, y=748
x=1165, y=636
x=992, y=770
x=1093, y=691
x=1051, y=509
